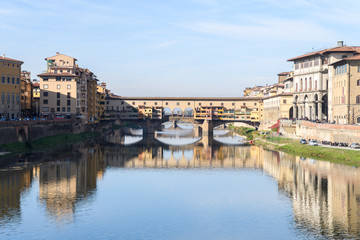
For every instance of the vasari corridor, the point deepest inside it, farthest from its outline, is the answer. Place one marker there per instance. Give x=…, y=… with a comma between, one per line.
x=179, y=120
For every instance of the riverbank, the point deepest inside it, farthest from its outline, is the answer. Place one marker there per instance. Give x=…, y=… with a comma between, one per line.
x=293, y=147
x=46, y=143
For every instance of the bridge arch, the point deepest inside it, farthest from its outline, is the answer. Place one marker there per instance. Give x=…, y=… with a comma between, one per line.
x=189, y=112
x=177, y=111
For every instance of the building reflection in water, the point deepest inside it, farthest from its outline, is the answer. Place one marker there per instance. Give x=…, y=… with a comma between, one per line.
x=12, y=184
x=325, y=196
x=69, y=179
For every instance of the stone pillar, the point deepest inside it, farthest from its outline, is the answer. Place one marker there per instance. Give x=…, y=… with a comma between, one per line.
x=295, y=112
x=304, y=110
x=319, y=110
x=313, y=114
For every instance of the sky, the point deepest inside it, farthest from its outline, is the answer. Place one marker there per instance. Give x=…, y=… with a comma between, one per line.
x=175, y=48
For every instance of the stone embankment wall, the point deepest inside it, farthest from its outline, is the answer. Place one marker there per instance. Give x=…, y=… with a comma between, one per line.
x=321, y=132
x=31, y=130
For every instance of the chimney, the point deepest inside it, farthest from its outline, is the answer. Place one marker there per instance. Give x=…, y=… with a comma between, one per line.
x=57, y=53
x=340, y=43
x=4, y=55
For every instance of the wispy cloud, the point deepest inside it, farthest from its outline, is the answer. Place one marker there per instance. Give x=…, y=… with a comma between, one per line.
x=164, y=45
x=265, y=28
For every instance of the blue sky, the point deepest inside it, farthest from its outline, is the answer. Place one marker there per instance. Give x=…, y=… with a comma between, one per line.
x=176, y=47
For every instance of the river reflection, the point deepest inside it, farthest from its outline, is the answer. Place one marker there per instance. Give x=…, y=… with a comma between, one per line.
x=73, y=186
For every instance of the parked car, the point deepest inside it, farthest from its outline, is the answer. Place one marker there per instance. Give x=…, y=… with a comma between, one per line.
x=313, y=143
x=303, y=141
x=355, y=145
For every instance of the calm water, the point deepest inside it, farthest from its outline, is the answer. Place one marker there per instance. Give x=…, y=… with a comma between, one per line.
x=152, y=190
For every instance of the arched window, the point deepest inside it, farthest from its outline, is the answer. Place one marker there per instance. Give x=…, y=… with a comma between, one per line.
x=358, y=82
x=305, y=84
x=301, y=84
x=358, y=99
x=358, y=120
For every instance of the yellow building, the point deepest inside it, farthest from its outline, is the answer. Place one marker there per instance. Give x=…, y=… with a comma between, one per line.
x=278, y=106
x=346, y=90
x=10, y=72
x=100, y=101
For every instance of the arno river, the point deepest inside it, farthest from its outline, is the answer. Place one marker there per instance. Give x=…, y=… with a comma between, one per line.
x=152, y=190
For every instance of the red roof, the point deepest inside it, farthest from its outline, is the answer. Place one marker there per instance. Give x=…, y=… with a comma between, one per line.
x=328, y=50
x=10, y=59
x=50, y=74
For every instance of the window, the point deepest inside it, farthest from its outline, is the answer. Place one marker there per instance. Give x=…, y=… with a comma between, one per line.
x=244, y=104
x=45, y=109
x=284, y=101
x=13, y=80
x=45, y=101
x=58, y=78
x=57, y=102
x=310, y=84
x=58, y=109
x=63, y=109
x=177, y=104
x=58, y=95
x=17, y=98
x=69, y=109
x=68, y=86
x=359, y=68
x=45, y=94
x=144, y=103
x=222, y=104
x=133, y=103
x=188, y=103
x=17, y=80
x=46, y=86
x=68, y=79
x=199, y=103
x=155, y=103
x=58, y=86
x=166, y=103
x=68, y=102
x=305, y=84
x=8, y=79
x=358, y=99
x=3, y=79
x=45, y=79
x=358, y=82
x=255, y=104
x=210, y=104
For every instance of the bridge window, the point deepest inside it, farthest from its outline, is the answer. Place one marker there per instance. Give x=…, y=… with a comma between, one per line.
x=166, y=103
x=144, y=103
x=199, y=103
x=188, y=104
x=122, y=102
x=177, y=103
x=255, y=104
x=244, y=104
x=233, y=104
x=133, y=103
x=155, y=103
x=222, y=104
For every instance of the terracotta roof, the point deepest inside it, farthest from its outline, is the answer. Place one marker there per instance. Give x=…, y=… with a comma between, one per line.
x=10, y=59
x=50, y=74
x=36, y=84
x=284, y=74
x=352, y=58
x=328, y=50
x=280, y=94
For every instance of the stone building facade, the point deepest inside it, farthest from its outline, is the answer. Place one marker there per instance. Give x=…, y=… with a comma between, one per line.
x=278, y=106
x=346, y=90
x=313, y=82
